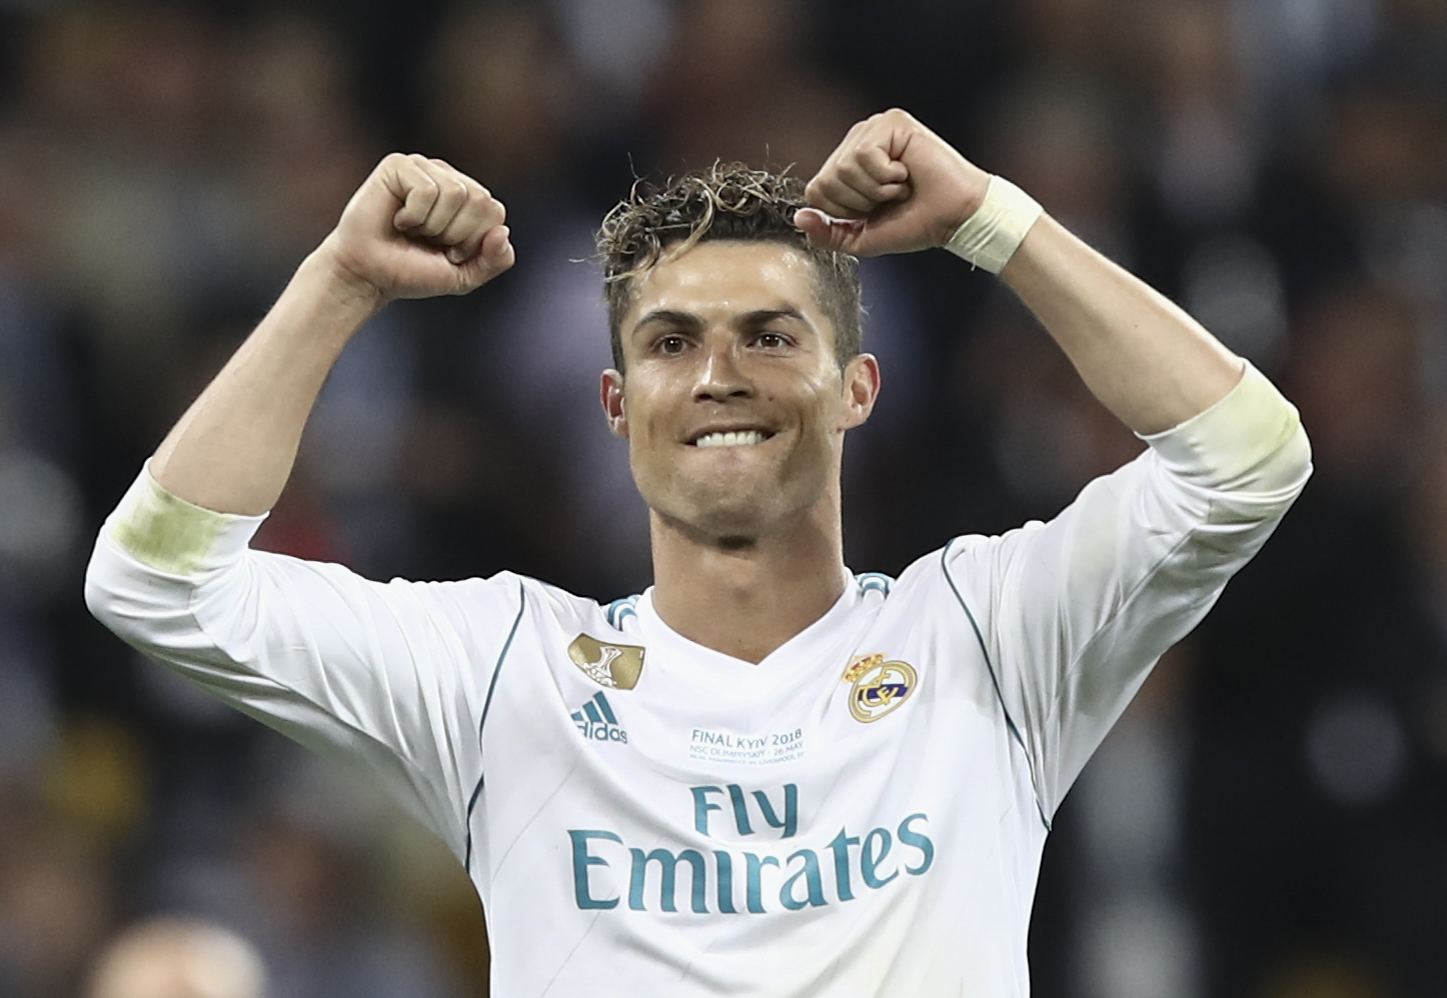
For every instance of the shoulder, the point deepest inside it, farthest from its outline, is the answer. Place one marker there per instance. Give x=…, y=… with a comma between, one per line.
x=510, y=599
x=963, y=557
x=964, y=576
x=923, y=589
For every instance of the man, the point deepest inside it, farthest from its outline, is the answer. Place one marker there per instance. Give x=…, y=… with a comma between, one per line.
x=765, y=775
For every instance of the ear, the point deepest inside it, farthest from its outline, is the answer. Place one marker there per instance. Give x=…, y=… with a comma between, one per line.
x=861, y=388
x=610, y=393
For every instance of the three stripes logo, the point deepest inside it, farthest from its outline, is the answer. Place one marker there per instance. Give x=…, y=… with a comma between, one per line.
x=597, y=721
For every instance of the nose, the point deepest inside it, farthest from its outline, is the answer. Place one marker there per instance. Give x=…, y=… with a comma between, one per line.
x=719, y=376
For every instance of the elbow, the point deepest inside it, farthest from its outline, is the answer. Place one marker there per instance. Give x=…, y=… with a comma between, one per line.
x=1272, y=453
x=1287, y=468
x=132, y=601
x=97, y=598
x=1270, y=487
x=103, y=592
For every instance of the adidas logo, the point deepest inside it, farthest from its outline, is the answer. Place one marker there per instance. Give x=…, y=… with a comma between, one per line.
x=597, y=721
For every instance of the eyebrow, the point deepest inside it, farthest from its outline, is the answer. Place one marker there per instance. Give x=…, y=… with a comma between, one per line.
x=687, y=320
x=763, y=316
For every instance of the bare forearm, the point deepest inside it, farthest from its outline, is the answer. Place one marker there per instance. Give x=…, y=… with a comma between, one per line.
x=233, y=449
x=894, y=186
x=415, y=228
x=1147, y=360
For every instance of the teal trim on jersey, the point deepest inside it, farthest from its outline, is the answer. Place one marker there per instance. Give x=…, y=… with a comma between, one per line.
x=620, y=609
x=486, y=704
x=605, y=707
x=995, y=681
x=874, y=580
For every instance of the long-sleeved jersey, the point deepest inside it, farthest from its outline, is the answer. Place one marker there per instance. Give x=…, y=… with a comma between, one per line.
x=860, y=814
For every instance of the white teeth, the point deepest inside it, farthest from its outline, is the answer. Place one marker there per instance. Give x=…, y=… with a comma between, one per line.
x=738, y=438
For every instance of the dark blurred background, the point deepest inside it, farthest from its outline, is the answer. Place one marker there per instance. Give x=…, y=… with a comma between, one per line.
x=1270, y=818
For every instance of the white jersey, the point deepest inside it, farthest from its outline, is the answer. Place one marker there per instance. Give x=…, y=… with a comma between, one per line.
x=860, y=814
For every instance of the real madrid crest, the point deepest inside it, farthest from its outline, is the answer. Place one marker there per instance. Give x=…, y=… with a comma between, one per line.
x=615, y=666
x=878, y=686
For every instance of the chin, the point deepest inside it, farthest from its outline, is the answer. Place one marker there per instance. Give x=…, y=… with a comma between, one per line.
x=735, y=524
x=736, y=520
x=730, y=509
x=717, y=517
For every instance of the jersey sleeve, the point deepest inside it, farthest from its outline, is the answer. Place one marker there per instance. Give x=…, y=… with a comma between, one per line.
x=391, y=677
x=1072, y=614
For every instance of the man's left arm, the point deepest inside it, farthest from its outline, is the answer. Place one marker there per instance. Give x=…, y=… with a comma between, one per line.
x=894, y=186
x=1073, y=613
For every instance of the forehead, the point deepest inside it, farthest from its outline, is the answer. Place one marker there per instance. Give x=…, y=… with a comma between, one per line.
x=723, y=277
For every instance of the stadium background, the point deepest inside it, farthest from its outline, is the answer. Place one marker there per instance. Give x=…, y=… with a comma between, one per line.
x=1269, y=820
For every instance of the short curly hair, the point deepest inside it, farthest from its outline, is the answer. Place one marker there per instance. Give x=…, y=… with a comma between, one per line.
x=726, y=201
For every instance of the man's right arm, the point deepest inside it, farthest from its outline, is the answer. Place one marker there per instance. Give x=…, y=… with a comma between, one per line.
x=384, y=676
x=415, y=229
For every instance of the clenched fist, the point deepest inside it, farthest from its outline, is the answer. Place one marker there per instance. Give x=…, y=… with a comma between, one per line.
x=418, y=228
x=892, y=186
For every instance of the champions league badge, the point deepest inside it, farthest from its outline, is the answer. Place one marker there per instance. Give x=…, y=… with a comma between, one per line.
x=879, y=686
x=614, y=666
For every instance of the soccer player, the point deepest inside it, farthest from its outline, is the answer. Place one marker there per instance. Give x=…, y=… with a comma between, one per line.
x=765, y=775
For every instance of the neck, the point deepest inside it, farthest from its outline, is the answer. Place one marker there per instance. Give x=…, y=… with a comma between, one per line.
x=746, y=600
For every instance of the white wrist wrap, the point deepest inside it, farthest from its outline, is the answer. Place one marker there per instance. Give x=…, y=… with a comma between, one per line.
x=990, y=236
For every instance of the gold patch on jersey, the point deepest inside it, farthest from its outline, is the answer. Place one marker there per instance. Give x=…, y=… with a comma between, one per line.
x=614, y=666
x=878, y=686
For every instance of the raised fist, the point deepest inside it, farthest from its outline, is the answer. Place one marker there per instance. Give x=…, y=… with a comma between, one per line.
x=892, y=186
x=418, y=228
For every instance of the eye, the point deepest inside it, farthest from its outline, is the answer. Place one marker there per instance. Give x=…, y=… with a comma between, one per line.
x=672, y=344
x=772, y=341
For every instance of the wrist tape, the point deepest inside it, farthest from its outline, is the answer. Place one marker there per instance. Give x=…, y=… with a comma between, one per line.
x=990, y=236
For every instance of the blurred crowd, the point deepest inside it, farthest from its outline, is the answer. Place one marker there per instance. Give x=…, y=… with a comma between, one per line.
x=1270, y=818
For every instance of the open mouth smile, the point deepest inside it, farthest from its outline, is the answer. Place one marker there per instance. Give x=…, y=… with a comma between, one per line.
x=731, y=438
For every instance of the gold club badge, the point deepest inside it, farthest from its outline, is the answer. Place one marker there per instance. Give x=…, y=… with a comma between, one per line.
x=878, y=686
x=614, y=666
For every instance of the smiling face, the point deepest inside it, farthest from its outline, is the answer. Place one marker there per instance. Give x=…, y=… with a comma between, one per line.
x=734, y=405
